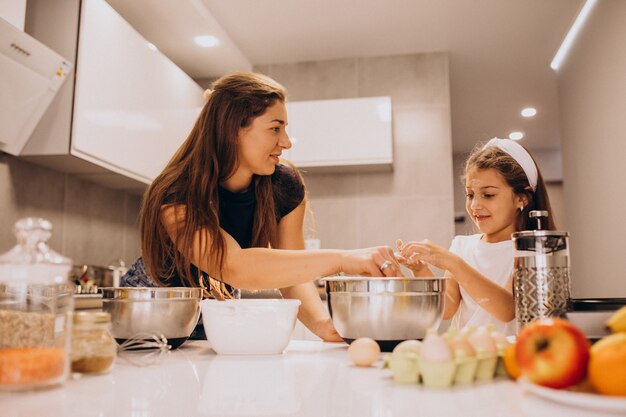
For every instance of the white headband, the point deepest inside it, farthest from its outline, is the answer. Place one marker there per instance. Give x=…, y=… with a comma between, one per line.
x=521, y=156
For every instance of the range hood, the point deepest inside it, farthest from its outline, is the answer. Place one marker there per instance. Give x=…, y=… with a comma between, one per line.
x=31, y=74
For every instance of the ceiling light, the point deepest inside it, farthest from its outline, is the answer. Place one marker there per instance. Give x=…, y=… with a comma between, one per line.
x=206, y=41
x=516, y=135
x=152, y=46
x=529, y=112
x=571, y=35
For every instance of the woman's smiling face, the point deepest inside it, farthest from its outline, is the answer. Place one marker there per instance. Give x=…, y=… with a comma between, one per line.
x=492, y=204
x=261, y=143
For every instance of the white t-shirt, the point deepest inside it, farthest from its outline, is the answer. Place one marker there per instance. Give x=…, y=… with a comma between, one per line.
x=494, y=261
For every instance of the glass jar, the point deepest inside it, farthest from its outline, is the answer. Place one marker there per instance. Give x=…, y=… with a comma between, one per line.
x=36, y=303
x=93, y=348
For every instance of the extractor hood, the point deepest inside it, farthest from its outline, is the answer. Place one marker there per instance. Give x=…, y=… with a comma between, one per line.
x=30, y=76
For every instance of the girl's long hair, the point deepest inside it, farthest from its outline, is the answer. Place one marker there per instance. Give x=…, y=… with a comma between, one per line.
x=495, y=158
x=191, y=178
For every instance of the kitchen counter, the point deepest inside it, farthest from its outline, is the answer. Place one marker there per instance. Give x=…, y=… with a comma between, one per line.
x=309, y=379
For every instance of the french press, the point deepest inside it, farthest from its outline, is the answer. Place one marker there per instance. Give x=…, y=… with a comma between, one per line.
x=541, y=272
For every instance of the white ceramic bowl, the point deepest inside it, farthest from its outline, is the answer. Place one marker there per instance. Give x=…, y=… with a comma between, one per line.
x=250, y=326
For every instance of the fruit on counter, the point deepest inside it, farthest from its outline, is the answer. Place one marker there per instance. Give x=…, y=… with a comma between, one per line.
x=607, y=365
x=510, y=362
x=552, y=352
x=364, y=351
x=617, y=322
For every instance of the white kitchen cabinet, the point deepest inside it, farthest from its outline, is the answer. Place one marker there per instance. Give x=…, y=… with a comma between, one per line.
x=341, y=135
x=130, y=107
x=14, y=12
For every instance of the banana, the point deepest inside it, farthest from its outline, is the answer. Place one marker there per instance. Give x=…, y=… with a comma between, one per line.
x=617, y=322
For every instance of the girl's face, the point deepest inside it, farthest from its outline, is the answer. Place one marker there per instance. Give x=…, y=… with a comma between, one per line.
x=261, y=143
x=491, y=203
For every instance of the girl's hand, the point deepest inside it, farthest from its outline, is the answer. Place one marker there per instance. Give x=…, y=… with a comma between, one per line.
x=326, y=331
x=375, y=262
x=427, y=252
x=419, y=268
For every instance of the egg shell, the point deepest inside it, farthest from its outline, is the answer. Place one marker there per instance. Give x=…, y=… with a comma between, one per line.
x=482, y=341
x=364, y=351
x=435, y=348
x=462, y=345
x=499, y=339
x=414, y=346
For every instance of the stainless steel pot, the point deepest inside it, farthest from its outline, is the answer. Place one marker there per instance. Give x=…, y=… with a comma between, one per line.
x=89, y=278
x=172, y=312
x=388, y=310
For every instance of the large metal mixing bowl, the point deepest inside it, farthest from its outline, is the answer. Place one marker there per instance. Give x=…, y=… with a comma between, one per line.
x=172, y=312
x=388, y=310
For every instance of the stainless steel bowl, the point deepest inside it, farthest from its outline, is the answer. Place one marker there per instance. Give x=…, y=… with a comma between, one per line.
x=388, y=310
x=172, y=312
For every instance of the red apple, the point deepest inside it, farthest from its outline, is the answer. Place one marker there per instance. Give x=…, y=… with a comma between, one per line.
x=552, y=352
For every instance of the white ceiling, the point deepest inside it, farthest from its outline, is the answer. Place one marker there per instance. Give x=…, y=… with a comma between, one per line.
x=500, y=50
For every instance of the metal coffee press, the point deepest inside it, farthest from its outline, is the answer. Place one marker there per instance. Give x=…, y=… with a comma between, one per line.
x=541, y=272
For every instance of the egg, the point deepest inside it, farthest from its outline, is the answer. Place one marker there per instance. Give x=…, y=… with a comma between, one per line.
x=435, y=348
x=364, y=351
x=460, y=345
x=481, y=340
x=408, y=346
x=499, y=339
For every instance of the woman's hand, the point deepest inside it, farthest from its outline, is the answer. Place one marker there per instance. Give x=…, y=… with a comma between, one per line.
x=326, y=331
x=426, y=252
x=375, y=262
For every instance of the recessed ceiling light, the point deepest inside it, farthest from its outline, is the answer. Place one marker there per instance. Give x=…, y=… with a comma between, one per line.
x=206, y=41
x=529, y=112
x=152, y=46
x=516, y=135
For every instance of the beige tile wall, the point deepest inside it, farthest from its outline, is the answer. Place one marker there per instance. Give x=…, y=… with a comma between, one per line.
x=91, y=224
x=415, y=201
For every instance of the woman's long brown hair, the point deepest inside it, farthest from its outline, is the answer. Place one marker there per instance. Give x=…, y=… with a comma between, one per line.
x=191, y=178
x=495, y=158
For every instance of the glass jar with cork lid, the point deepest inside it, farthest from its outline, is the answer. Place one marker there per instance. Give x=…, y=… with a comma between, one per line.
x=93, y=348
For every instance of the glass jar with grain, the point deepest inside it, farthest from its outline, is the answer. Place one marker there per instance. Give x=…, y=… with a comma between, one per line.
x=93, y=348
x=36, y=304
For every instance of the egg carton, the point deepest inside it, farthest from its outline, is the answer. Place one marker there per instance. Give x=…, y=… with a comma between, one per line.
x=444, y=361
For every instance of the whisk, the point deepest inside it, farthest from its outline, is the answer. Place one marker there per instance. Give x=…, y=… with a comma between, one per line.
x=144, y=349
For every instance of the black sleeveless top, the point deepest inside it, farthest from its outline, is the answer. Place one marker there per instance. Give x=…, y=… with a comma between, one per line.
x=237, y=209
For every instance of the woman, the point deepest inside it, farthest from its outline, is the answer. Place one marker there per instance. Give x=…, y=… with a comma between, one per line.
x=503, y=185
x=225, y=213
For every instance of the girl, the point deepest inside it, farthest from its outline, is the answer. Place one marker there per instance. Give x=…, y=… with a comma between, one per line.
x=225, y=213
x=502, y=185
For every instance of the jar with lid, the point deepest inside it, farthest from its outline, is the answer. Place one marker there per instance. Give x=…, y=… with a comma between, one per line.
x=36, y=303
x=93, y=348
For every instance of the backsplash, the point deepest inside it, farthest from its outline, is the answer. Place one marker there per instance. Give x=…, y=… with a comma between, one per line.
x=92, y=224
x=413, y=202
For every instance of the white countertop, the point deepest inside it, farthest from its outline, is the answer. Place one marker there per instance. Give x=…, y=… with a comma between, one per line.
x=309, y=379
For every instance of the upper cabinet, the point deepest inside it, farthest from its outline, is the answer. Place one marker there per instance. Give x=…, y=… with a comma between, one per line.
x=130, y=107
x=14, y=12
x=341, y=135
